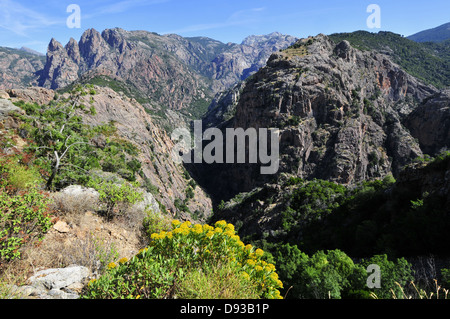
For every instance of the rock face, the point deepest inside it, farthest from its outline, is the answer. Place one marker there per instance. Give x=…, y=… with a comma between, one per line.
x=19, y=69
x=341, y=114
x=173, y=71
x=430, y=123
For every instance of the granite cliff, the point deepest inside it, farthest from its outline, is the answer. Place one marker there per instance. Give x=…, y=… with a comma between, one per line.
x=344, y=115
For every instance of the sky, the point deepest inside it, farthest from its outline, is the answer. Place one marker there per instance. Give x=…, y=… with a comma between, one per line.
x=34, y=23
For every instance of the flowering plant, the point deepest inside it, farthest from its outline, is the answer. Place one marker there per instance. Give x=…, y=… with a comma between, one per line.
x=156, y=271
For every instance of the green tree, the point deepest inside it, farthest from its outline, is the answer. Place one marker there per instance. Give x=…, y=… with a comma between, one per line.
x=60, y=137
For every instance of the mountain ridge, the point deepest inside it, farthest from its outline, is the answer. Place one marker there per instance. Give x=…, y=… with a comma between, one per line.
x=437, y=34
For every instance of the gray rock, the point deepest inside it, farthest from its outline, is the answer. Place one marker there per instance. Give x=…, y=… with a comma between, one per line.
x=58, y=278
x=59, y=294
x=6, y=108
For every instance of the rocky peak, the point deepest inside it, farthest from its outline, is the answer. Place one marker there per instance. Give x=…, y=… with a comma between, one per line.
x=93, y=48
x=54, y=46
x=60, y=69
x=73, y=50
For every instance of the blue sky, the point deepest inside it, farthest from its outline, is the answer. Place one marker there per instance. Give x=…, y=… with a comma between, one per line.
x=34, y=23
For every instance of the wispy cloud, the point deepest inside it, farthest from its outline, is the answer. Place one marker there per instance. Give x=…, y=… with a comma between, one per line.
x=240, y=17
x=120, y=7
x=19, y=19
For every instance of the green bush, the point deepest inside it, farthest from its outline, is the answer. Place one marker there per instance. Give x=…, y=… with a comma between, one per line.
x=24, y=216
x=320, y=276
x=178, y=262
x=395, y=275
x=114, y=197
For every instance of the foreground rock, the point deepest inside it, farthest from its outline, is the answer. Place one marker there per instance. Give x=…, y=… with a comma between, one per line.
x=57, y=283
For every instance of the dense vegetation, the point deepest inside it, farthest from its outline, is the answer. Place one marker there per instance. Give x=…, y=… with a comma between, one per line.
x=428, y=62
x=322, y=224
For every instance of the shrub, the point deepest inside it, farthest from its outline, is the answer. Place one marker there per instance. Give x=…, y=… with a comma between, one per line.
x=114, y=197
x=320, y=276
x=394, y=275
x=155, y=222
x=177, y=262
x=23, y=216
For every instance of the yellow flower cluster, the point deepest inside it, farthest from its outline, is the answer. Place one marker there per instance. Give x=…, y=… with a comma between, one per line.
x=208, y=239
x=112, y=265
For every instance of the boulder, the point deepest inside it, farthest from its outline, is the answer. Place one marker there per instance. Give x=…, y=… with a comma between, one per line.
x=7, y=107
x=59, y=278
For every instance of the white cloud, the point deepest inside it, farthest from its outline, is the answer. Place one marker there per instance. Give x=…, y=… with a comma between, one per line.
x=19, y=19
x=240, y=17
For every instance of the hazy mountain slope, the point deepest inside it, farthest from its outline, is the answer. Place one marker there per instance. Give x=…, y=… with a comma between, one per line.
x=438, y=34
x=18, y=68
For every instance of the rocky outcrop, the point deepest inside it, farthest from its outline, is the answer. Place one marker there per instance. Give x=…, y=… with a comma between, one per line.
x=341, y=114
x=56, y=283
x=60, y=70
x=430, y=123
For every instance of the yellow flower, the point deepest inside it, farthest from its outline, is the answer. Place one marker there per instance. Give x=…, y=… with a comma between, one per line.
x=218, y=230
x=175, y=223
x=229, y=227
x=198, y=229
x=271, y=267
x=248, y=247
x=123, y=260
x=210, y=234
x=154, y=236
x=258, y=268
x=274, y=276
x=259, y=252
x=169, y=235
x=111, y=265
x=206, y=227
x=280, y=284
x=91, y=282
x=229, y=233
x=186, y=224
x=221, y=223
x=250, y=262
x=245, y=275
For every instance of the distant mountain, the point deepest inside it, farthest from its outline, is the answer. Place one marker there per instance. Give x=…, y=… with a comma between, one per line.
x=31, y=51
x=438, y=34
x=164, y=71
x=18, y=68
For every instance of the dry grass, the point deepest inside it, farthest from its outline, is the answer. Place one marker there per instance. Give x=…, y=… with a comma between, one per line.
x=418, y=293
